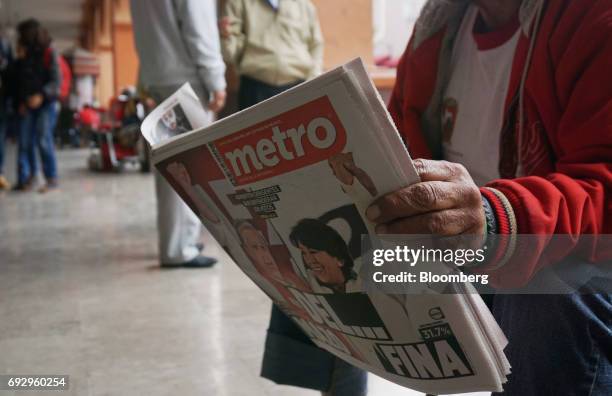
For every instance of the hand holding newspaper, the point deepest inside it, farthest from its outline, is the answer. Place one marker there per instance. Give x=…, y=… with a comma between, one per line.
x=284, y=186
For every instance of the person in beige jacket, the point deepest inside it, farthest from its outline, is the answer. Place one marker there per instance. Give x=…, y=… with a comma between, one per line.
x=273, y=45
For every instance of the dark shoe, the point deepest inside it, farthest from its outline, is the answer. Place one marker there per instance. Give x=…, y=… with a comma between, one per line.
x=198, y=262
x=201, y=262
x=200, y=246
x=22, y=187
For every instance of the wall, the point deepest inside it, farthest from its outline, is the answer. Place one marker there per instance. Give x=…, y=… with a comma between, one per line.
x=347, y=28
x=393, y=24
x=125, y=56
x=107, y=31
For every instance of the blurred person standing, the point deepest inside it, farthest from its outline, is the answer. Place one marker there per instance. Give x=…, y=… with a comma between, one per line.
x=275, y=45
x=177, y=42
x=36, y=82
x=6, y=58
x=65, y=82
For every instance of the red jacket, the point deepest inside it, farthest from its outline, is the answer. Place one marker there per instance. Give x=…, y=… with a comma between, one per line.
x=562, y=182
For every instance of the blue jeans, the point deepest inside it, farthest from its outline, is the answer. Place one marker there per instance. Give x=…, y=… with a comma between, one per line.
x=558, y=344
x=36, y=131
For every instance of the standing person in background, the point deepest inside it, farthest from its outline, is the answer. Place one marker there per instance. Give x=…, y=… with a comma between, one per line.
x=274, y=46
x=6, y=58
x=36, y=79
x=65, y=81
x=177, y=42
x=53, y=62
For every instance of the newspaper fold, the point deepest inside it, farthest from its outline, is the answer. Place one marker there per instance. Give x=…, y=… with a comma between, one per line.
x=284, y=186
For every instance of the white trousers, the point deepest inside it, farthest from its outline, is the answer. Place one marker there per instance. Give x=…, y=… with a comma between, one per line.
x=179, y=229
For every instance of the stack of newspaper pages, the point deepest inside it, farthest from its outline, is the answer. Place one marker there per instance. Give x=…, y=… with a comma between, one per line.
x=284, y=186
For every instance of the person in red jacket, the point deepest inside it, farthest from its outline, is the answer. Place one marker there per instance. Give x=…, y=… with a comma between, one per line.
x=508, y=107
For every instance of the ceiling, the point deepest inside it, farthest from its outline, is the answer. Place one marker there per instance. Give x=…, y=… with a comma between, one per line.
x=61, y=17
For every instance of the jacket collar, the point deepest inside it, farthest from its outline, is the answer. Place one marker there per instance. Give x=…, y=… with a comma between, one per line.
x=438, y=14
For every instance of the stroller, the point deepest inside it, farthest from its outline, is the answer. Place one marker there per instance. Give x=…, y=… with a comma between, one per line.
x=116, y=141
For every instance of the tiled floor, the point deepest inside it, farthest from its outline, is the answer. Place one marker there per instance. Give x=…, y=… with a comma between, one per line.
x=81, y=294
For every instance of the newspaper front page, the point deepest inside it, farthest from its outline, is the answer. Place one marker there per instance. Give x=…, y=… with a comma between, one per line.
x=284, y=186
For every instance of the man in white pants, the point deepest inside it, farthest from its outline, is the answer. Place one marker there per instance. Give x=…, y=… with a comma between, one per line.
x=177, y=42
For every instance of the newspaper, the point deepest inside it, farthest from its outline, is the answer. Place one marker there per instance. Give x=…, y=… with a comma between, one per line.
x=284, y=186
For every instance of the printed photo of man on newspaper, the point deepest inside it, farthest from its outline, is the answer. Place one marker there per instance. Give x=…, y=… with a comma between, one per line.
x=174, y=122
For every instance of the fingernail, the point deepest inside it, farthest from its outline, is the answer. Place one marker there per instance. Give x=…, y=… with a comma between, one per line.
x=373, y=212
x=381, y=229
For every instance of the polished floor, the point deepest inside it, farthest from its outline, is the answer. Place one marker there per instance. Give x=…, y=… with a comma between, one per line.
x=81, y=294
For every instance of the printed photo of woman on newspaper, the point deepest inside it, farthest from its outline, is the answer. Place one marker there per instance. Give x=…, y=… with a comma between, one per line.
x=325, y=255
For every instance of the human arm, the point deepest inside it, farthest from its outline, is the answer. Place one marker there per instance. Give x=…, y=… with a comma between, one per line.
x=232, y=28
x=344, y=168
x=571, y=200
x=315, y=43
x=198, y=23
x=51, y=89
